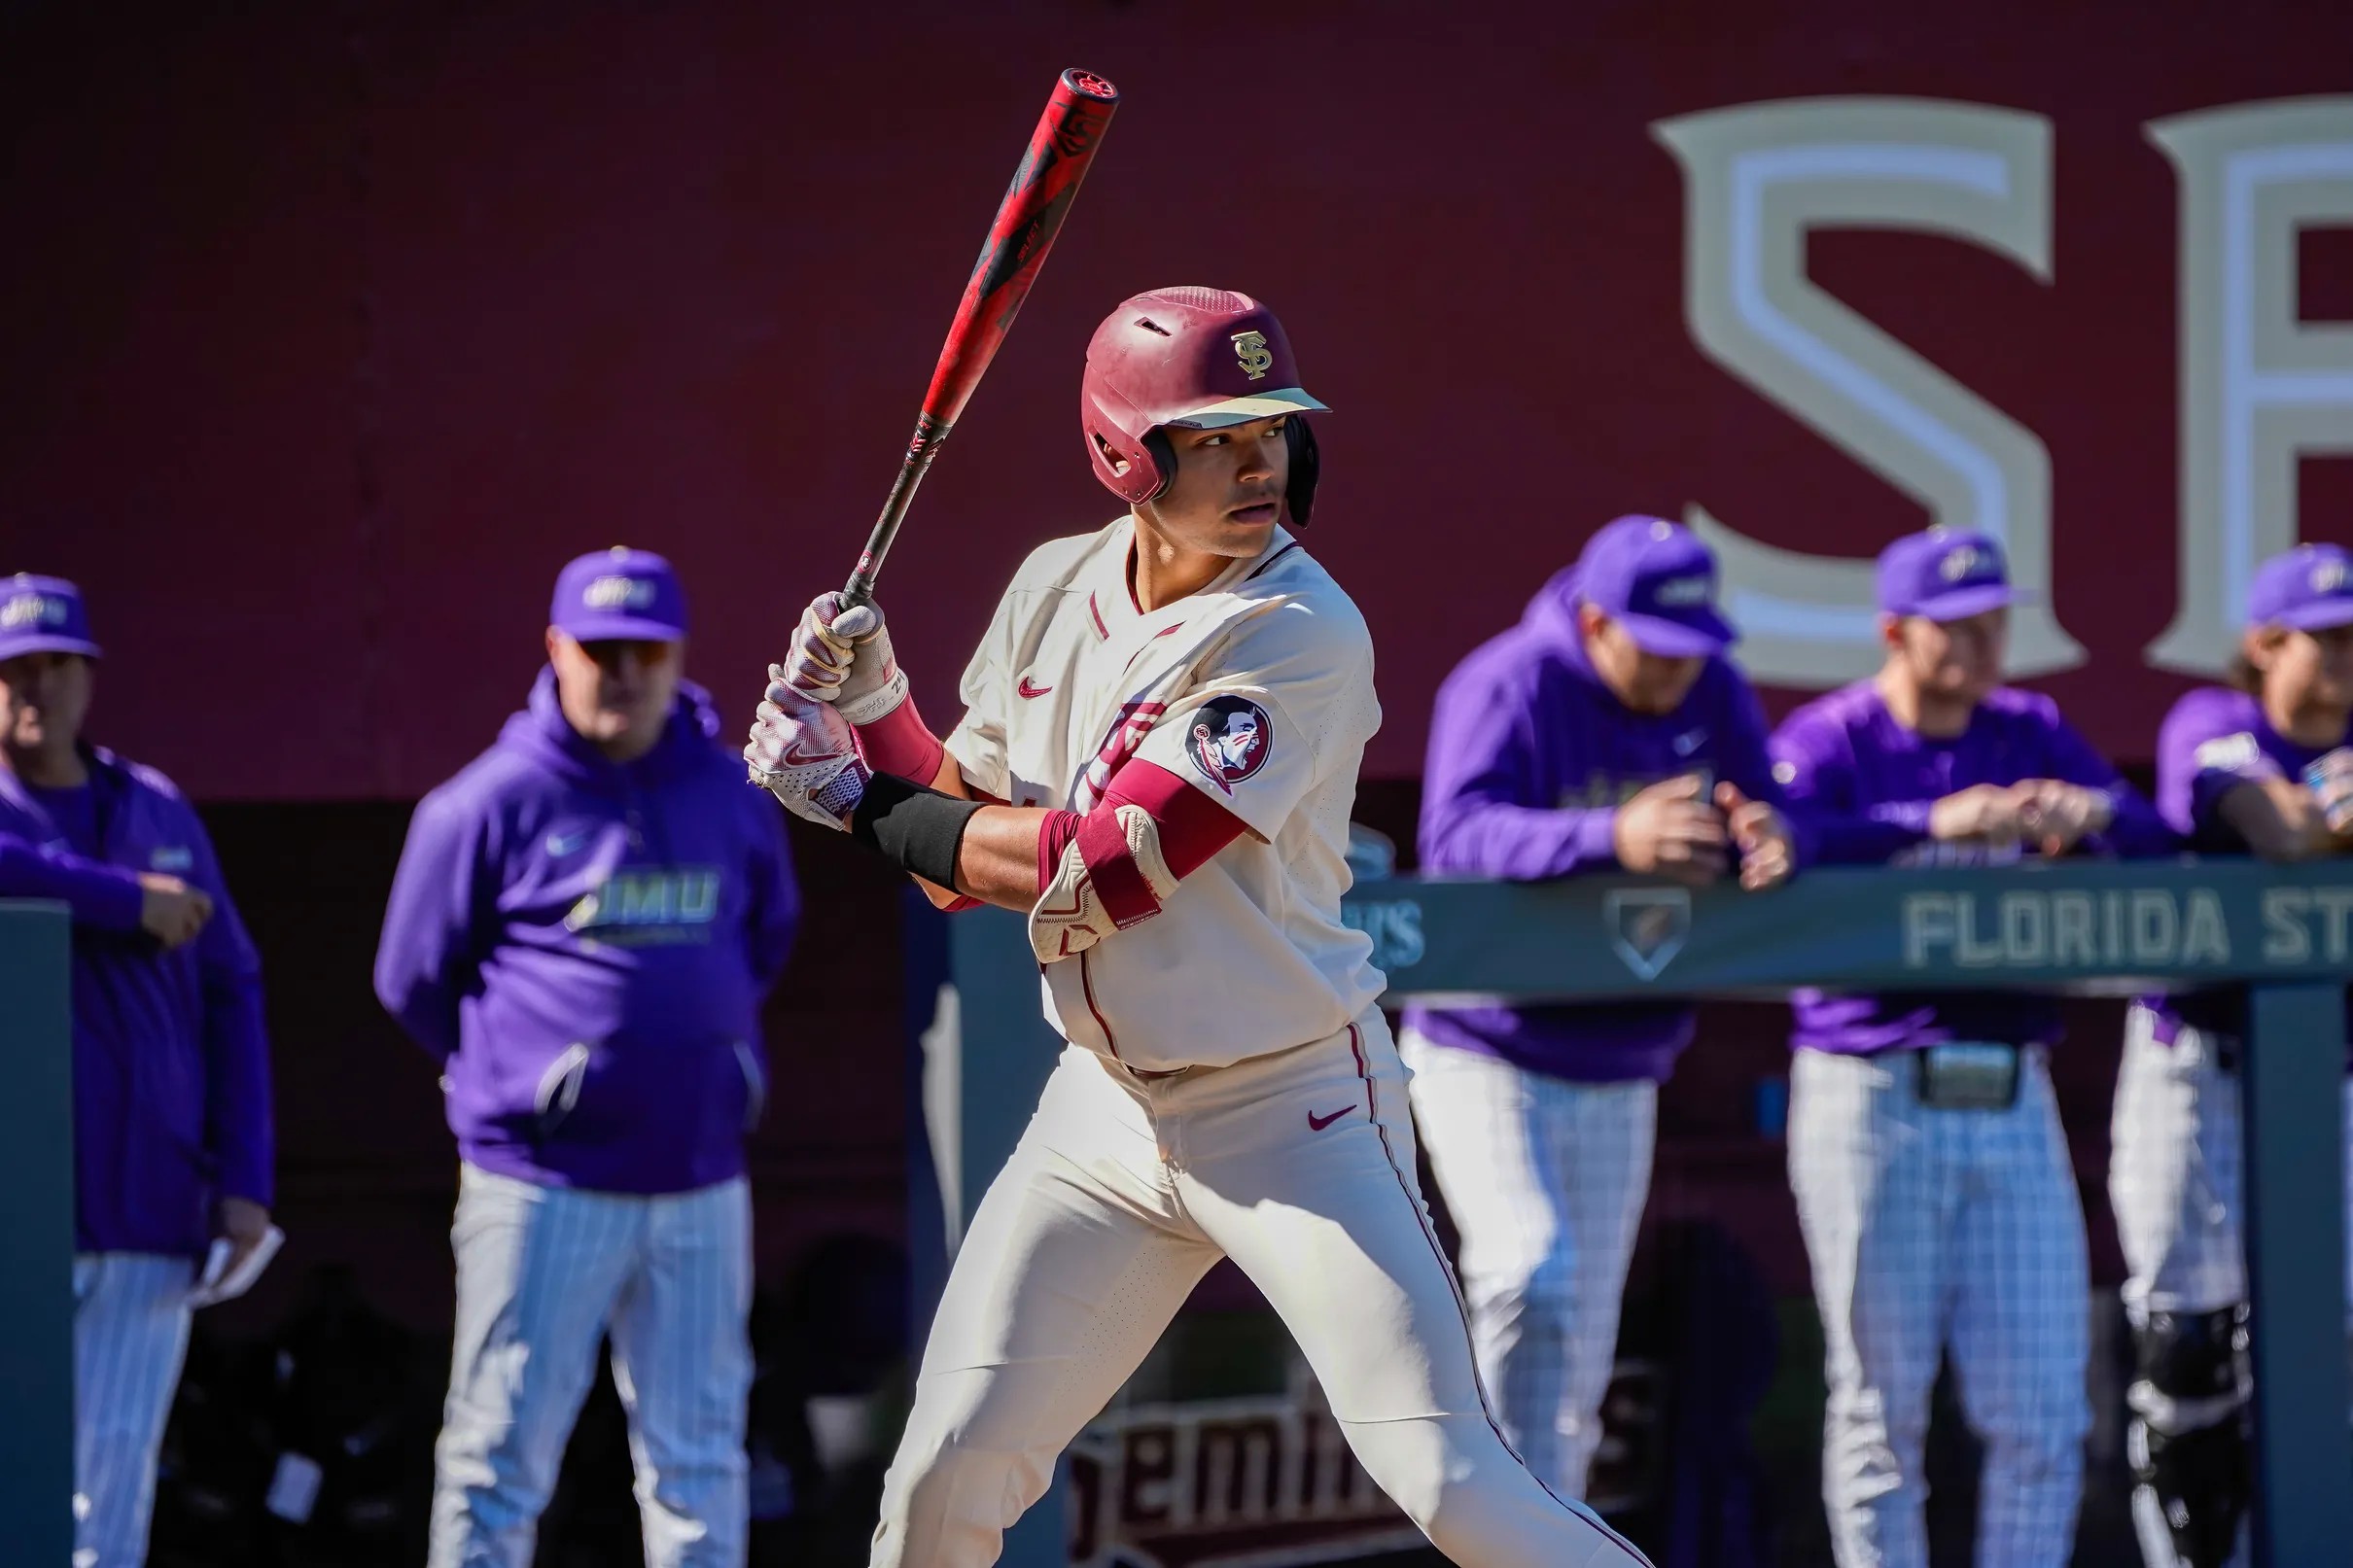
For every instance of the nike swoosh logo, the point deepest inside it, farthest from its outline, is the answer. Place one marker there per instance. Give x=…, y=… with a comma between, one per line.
x=1688, y=742
x=1029, y=690
x=560, y=844
x=794, y=757
x=1316, y=1123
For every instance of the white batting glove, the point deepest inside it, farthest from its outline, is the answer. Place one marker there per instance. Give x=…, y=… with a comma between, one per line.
x=2329, y=778
x=843, y=657
x=803, y=753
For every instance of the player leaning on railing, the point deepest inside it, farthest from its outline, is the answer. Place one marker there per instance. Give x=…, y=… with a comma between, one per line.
x=1933, y=1182
x=2265, y=764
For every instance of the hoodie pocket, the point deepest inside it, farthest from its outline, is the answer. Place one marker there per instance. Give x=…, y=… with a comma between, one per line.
x=756, y=1084
x=559, y=1087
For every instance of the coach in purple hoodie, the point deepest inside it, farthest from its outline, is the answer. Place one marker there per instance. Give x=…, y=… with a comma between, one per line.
x=171, y=1070
x=1605, y=733
x=584, y=923
x=1933, y=1182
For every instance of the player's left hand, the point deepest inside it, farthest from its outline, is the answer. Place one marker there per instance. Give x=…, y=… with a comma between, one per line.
x=1769, y=850
x=246, y=1224
x=2056, y=816
x=2331, y=779
x=805, y=755
x=843, y=657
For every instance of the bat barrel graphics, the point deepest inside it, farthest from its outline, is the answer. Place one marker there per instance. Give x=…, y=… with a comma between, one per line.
x=1044, y=184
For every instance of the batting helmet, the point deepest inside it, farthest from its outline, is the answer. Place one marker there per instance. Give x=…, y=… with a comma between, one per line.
x=1201, y=357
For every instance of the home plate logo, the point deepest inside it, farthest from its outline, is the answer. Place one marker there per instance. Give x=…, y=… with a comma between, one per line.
x=1647, y=926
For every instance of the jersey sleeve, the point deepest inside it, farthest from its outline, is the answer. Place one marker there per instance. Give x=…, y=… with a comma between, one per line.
x=977, y=742
x=1285, y=702
x=2205, y=748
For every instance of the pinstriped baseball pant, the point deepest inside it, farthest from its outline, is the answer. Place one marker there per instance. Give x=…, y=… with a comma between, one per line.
x=1930, y=1228
x=130, y=1333
x=544, y=1274
x=1546, y=1182
x=1120, y=1195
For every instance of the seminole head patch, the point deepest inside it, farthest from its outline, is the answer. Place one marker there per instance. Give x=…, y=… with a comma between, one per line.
x=1229, y=738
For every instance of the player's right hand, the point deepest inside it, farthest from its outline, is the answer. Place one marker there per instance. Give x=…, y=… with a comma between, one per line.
x=1670, y=829
x=171, y=910
x=1994, y=812
x=843, y=657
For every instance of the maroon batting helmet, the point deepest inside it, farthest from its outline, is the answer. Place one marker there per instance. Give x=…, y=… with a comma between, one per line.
x=1200, y=358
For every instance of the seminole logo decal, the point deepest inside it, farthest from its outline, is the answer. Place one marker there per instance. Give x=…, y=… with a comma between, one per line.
x=1229, y=739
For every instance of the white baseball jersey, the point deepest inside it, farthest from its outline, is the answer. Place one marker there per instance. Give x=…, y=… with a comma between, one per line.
x=1257, y=690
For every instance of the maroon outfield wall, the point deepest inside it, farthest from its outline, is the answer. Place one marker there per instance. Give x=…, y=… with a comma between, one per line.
x=330, y=330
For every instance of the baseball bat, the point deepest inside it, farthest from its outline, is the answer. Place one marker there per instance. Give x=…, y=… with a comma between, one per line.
x=1044, y=184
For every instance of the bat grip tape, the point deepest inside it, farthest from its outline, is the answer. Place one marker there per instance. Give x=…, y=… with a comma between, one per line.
x=915, y=829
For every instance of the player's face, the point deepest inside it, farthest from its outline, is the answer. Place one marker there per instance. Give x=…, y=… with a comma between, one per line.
x=1955, y=660
x=2305, y=668
x=1645, y=682
x=44, y=698
x=616, y=694
x=1227, y=495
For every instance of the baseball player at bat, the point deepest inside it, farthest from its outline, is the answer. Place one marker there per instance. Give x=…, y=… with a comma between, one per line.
x=1934, y=1187
x=173, y=1135
x=1605, y=732
x=2262, y=765
x=1155, y=765
x=583, y=925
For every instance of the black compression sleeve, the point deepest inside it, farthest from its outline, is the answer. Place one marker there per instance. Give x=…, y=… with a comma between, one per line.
x=914, y=829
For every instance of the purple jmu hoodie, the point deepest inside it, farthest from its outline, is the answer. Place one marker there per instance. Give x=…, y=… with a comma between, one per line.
x=587, y=944
x=2214, y=740
x=1530, y=758
x=171, y=1066
x=1861, y=785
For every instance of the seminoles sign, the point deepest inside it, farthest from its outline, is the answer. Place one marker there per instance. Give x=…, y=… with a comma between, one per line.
x=2259, y=388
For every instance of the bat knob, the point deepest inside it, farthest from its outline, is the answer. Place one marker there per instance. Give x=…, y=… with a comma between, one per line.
x=1087, y=85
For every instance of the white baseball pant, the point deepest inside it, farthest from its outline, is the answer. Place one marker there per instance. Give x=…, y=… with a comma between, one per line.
x=1546, y=1182
x=1930, y=1228
x=2175, y=1172
x=544, y=1274
x=1121, y=1194
x=130, y=1334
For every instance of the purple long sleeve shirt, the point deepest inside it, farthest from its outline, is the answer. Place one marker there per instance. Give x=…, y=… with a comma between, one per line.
x=171, y=1062
x=1861, y=785
x=2213, y=741
x=1530, y=758
x=587, y=944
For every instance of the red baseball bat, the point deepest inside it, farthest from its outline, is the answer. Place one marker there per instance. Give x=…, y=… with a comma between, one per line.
x=1035, y=205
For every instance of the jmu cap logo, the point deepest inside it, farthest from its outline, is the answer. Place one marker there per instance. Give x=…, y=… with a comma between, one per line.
x=1255, y=357
x=1647, y=926
x=620, y=593
x=1684, y=591
x=2328, y=576
x=1967, y=561
x=34, y=610
x=1229, y=738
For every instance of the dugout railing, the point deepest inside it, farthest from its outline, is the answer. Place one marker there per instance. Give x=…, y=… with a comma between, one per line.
x=2081, y=927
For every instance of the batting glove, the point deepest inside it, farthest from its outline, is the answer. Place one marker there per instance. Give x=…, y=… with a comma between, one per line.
x=843, y=657
x=803, y=752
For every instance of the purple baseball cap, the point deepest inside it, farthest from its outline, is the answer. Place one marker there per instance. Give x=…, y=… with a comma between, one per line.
x=2310, y=587
x=616, y=594
x=1658, y=580
x=1946, y=574
x=43, y=615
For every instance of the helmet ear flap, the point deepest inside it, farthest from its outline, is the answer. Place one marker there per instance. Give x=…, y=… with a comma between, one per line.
x=1306, y=465
x=1161, y=453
